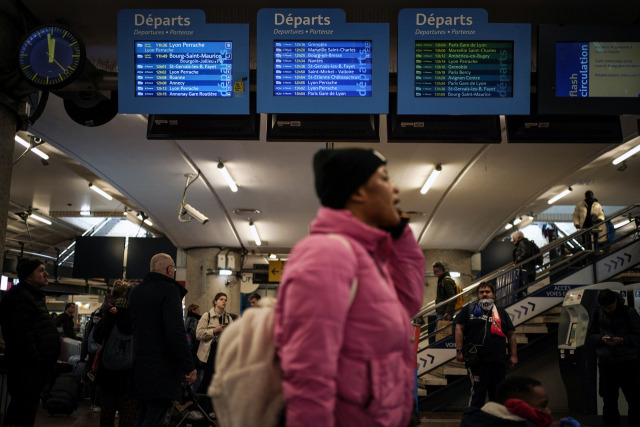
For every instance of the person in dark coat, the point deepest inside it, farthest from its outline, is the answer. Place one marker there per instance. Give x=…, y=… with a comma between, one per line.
x=115, y=384
x=65, y=321
x=161, y=350
x=32, y=341
x=614, y=332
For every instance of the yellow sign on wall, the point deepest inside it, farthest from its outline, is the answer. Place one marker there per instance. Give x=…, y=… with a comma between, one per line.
x=275, y=271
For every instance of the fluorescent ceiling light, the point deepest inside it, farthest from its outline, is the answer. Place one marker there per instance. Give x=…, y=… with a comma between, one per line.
x=560, y=196
x=225, y=272
x=25, y=144
x=628, y=154
x=508, y=226
x=100, y=192
x=454, y=273
x=254, y=232
x=273, y=256
x=225, y=173
x=145, y=220
x=39, y=218
x=432, y=178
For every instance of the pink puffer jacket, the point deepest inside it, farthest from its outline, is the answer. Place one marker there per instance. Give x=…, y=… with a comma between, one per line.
x=349, y=366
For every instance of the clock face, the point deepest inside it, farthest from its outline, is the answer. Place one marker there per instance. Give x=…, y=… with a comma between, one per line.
x=51, y=57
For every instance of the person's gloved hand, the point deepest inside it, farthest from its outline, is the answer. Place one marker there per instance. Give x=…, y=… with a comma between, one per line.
x=396, y=230
x=569, y=422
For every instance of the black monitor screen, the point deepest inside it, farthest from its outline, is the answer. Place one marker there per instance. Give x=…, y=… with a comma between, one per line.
x=141, y=250
x=98, y=257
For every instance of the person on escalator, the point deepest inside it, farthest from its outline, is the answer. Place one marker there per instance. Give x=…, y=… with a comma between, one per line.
x=586, y=214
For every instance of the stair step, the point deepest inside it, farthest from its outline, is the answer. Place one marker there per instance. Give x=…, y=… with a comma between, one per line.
x=532, y=329
x=455, y=368
x=535, y=320
x=551, y=319
x=433, y=379
x=521, y=338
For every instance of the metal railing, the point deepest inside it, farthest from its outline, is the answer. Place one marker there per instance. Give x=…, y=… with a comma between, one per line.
x=560, y=256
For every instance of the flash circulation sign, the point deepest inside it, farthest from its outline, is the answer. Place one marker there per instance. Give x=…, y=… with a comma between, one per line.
x=172, y=62
x=311, y=61
x=598, y=69
x=451, y=61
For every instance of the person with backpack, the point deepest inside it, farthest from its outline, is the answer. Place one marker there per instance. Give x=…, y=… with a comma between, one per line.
x=586, y=214
x=524, y=249
x=115, y=361
x=482, y=332
x=614, y=332
x=446, y=289
x=350, y=360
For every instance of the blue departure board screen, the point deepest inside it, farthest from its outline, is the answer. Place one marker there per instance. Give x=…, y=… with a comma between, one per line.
x=462, y=69
x=311, y=61
x=180, y=68
x=172, y=61
x=322, y=68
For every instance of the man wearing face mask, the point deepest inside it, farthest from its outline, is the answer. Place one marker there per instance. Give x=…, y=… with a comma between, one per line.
x=481, y=334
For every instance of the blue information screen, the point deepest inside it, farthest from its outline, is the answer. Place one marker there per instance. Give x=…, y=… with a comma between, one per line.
x=467, y=68
x=331, y=68
x=199, y=69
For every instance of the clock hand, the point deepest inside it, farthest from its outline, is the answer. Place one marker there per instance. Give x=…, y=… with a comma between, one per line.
x=52, y=46
x=63, y=69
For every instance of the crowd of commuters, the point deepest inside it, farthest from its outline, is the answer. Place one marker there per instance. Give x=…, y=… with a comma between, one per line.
x=342, y=326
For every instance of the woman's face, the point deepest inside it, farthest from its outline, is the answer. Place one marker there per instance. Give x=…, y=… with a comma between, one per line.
x=380, y=198
x=196, y=310
x=221, y=302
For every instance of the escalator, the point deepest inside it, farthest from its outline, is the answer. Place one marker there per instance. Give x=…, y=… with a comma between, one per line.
x=569, y=264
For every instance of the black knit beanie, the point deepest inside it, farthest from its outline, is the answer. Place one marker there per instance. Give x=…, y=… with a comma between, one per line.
x=26, y=266
x=339, y=173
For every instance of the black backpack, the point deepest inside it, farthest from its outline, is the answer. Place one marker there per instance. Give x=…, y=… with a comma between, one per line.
x=535, y=250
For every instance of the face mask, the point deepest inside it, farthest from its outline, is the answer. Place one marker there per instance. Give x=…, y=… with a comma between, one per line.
x=486, y=304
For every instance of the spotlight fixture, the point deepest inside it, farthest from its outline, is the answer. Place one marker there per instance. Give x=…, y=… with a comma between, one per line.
x=254, y=232
x=432, y=178
x=31, y=146
x=225, y=173
x=560, y=196
x=100, y=192
x=629, y=153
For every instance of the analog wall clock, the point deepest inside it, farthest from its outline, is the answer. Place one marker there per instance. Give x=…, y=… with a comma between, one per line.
x=51, y=57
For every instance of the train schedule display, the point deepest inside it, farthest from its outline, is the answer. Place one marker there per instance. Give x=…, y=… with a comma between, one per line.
x=312, y=61
x=172, y=62
x=451, y=61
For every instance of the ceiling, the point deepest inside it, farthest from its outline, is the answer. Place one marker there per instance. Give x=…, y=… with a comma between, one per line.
x=480, y=189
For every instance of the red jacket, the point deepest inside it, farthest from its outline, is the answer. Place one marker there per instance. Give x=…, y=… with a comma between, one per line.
x=349, y=366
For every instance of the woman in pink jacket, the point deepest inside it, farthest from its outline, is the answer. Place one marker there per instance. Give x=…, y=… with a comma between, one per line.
x=349, y=361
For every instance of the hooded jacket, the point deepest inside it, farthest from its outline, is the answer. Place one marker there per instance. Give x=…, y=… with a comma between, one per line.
x=446, y=289
x=623, y=322
x=160, y=347
x=492, y=414
x=349, y=366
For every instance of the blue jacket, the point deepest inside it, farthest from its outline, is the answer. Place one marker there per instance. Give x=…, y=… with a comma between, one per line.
x=162, y=354
x=623, y=322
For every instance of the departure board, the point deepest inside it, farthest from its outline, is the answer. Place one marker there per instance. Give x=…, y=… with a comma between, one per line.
x=199, y=69
x=458, y=69
x=332, y=68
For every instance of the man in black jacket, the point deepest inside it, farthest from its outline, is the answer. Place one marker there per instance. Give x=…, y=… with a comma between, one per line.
x=161, y=351
x=65, y=321
x=615, y=332
x=32, y=341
